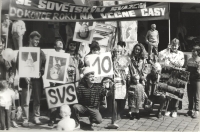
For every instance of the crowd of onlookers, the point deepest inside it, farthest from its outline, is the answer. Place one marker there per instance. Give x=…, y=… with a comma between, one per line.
x=139, y=82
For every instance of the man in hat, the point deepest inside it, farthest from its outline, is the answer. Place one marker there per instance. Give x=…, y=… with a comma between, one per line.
x=89, y=96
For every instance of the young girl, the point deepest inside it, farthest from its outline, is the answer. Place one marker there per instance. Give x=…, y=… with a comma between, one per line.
x=136, y=96
x=193, y=88
x=6, y=101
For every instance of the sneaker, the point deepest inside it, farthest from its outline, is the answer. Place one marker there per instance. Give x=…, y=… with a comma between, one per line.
x=14, y=124
x=195, y=114
x=37, y=121
x=189, y=113
x=167, y=113
x=131, y=116
x=174, y=114
x=77, y=127
x=159, y=115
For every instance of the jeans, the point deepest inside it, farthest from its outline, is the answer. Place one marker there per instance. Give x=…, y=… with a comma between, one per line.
x=17, y=40
x=152, y=49
x=119, y=108
x=5, y=118
x=35, y=89
x=173, y=105
x=193, y=91
x=94, y=114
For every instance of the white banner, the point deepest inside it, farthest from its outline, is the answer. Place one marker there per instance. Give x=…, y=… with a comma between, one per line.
x=64, y=94
x=102, y=64
x=29, y=59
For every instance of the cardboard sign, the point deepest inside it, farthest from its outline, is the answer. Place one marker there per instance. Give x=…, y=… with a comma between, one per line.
x=56, y=67
x=120, y=91
x=64, y=94
x=102, y=64
x=29, y=59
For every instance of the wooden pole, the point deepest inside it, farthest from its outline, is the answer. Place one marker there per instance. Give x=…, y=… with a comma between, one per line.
x=0, y=17
x=118, y=26
x=169, y=25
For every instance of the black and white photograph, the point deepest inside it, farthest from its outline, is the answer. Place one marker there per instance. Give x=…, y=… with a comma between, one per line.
x=100, y=65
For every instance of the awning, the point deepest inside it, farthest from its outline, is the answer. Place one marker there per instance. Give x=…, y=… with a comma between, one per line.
x=61, y=11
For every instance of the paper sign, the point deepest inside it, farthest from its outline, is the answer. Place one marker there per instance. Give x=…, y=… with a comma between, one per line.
x=56, y=67
x=102, y=64
x=60, y=95
x=120, y=91
x=29, y=59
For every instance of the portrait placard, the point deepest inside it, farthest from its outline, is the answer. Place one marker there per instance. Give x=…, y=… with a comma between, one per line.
x=84, y=31
x=60, y=95
x=29, y=59
x=56, y=67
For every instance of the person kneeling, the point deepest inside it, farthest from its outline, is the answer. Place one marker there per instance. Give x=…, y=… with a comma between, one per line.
x=66, y=123
x=89, y=96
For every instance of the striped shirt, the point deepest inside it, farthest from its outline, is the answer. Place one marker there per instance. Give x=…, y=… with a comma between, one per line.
x=90, y=97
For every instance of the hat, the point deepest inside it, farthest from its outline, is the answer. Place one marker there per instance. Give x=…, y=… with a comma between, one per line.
x=87, y=70
x=94, y=45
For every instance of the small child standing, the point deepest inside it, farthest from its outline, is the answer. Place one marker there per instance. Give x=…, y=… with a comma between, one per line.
x=6, y=101
x=193, y=88
x=136, y=96
x=66, y=123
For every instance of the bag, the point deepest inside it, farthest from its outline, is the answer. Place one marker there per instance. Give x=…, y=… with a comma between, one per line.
x=103, y=102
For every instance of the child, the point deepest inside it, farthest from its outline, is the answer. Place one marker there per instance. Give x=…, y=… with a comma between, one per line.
x=66, y=123
x=136, y=96
x=6, y=101
x=193, y=88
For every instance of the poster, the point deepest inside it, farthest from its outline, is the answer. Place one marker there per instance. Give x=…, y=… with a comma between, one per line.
x=59, y=95
x=29, y=59
x=84, y=31
x=56, y=67
x=101, y=63
x=173, y=82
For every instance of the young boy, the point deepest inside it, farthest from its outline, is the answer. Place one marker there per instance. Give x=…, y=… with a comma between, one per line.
x=193, y=88
x=66, y=123
x=136, y=96
x=6, y=101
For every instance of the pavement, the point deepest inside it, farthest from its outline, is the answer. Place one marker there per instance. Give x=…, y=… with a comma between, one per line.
x=145, y=123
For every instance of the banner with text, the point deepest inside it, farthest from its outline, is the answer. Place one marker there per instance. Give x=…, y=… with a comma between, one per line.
x=64, y=94
x=59, y=10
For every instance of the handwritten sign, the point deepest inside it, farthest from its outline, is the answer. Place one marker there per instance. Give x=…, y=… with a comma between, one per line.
x=102, y=64
x=64, y=94
x=120, y=90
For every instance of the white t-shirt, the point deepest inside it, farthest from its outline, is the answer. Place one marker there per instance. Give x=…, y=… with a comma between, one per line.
x=66, y=124
x=6, y=98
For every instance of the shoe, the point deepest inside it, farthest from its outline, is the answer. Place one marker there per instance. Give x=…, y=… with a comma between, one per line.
x=159, y=115
x=195, y=114
x=50, y=123
x=27, y=124
x=189, y=113
x=137, y=116
x=37, y=121
x=174, y=114
x=131, y=116
x=167, y=113
x=14, y=124
x=77, y=127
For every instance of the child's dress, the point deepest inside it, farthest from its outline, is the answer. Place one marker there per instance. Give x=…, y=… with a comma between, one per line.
x=136, y=96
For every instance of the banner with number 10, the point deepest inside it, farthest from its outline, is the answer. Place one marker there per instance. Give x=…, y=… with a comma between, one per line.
x=102, y=64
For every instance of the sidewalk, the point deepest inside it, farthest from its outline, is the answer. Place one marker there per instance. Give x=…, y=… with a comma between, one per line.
x=145, y=123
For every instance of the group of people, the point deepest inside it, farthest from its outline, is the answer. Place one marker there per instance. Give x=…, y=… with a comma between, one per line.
x=139, y=82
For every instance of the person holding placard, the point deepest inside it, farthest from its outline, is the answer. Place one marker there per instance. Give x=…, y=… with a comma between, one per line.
x=120, y=79
x=89, y=96
x=35, y=85
x=75, y=64
x=174, y=58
